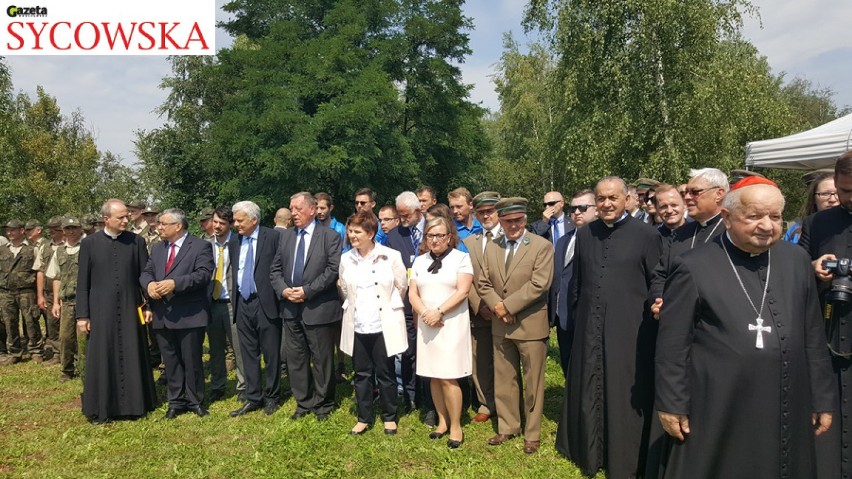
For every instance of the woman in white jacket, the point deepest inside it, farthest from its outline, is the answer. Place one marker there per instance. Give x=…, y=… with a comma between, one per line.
x=372, y=283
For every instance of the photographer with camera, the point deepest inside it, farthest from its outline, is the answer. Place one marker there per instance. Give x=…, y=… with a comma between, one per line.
x=827, y=237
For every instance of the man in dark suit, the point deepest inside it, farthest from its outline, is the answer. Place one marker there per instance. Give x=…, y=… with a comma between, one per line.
x=582, y=211
x=304, y=275
x=255, y=308
x=552, y=224
x=176, y=278
x=406, y=239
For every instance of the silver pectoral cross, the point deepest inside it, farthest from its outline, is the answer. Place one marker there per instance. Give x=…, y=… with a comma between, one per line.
x=760, y=328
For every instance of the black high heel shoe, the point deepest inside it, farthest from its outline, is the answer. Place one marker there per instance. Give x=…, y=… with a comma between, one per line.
x=436, y=435
x=453, y=444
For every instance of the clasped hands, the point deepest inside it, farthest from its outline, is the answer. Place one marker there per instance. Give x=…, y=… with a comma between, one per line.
x=294, y=295
x=501, y=312
x=160, y=289
x=431, y=317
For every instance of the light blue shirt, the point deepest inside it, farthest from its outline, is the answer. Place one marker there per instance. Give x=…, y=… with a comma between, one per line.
x=243, y=250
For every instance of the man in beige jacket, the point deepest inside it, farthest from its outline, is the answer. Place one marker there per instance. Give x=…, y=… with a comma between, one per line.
x=514, y=284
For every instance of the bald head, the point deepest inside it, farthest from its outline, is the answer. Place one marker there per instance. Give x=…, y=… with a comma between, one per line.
x=283, y=218
x=753, y=217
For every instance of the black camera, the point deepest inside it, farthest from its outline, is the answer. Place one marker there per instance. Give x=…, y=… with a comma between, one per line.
x=841, y=285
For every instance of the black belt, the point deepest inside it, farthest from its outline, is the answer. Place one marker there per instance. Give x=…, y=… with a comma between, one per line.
x=222, y=301
x=251, y=297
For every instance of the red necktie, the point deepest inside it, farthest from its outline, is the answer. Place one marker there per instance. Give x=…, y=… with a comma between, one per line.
x=171, y=258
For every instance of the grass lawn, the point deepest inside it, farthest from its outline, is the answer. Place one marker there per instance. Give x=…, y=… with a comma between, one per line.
x=43, y=434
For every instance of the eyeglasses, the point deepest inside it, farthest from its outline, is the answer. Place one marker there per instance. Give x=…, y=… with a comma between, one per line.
x=361, y=203
x=388, y=220
x=581, y=208
x=165, y=224
x=827, y=194
x=696, y=192
x=551, y=203
x=436, y=236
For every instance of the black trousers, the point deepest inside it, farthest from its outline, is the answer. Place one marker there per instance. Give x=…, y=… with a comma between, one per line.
x=310, y=364
x=369, y=359
x=181, y=350
x=414, y=388
x=564, y=339
x=259, y=334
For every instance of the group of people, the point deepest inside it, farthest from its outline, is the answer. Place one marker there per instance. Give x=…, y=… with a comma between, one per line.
x=694, y=341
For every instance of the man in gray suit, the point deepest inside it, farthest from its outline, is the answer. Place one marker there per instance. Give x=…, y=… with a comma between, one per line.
x=176, y=278
x=304, y=275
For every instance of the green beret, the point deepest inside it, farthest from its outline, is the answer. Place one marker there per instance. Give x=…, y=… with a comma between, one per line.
x=31, y=224
x=71, y=222
x=14, y=224
x=138, y=204
x=54, y=222
x=486, y=198
x=206, y=214
x=507, y=206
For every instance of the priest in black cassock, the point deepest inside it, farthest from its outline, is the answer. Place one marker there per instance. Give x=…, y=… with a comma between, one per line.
x=828, y=235
x=609, y=387
x=118, y=381
x=743, y=377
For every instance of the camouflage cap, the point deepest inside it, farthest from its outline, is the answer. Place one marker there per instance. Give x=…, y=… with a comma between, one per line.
x=88, y=220
x=646, y=183
x=137, y=204
x=14, y=224
x=31, y=224
x=71, y=222
x=507, y=206
x=206, y=214
x=54, y=222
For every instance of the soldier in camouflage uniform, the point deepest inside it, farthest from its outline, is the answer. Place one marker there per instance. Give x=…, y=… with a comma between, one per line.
x=18, y=295
x=137, y=223
x=44, y=287
x=149, y=232
x=62, y=269
x=205, y=221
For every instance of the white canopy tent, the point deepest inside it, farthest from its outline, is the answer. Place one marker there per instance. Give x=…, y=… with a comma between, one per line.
x=808, y=150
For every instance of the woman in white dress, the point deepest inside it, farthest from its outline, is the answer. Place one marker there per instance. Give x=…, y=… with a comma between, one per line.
x=372, y=282
x=438, y=292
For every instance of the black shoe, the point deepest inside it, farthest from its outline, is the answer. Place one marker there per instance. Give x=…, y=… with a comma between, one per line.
x=436, y=435
x=241, y=396
x=453, y=444
x=390, y=432
x=95, y=421
x=322, y=417
x=199, y=411
x=299, y=414
x=431, y=419
x=362, y=431
x=271, y=407
x=174, y=412
x=216, y=395
x=247, y=408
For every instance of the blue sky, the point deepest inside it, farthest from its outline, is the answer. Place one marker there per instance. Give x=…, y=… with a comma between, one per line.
x=117, y=95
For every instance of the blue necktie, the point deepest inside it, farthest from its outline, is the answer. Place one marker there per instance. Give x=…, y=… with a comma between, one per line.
x=415, y=238
x=299, y=265
x=248, y=273
x=555, y=223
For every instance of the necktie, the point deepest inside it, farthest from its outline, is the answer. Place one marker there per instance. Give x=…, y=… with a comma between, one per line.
x=247, y=287
x=299, y=264
x=555, y=223
x=510, y=255
x=217, y=279
x=415, y=238
x=488, y=236
x=569, y=251
x=171, y=258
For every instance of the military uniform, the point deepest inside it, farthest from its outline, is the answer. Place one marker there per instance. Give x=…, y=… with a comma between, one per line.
x=149, y=232
x=18, y=298
x=205, y=214
x=63, y=269
x=132, y=226
x=43, y=254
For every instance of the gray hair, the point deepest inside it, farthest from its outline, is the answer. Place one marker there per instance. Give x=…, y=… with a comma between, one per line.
x=306, y=197
x=408, y=200
x=713, y=176
x=106, y=209
x=624, y=187
x=733, y=200
x=250, y=208
x=178, y=215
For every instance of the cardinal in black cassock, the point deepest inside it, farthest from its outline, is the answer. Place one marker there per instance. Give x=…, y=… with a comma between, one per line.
x=118, y=382
x=741, y=362
x=609, y=388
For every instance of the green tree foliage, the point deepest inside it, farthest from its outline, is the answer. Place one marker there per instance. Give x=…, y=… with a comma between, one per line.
x=49, y=163
x=319, y=96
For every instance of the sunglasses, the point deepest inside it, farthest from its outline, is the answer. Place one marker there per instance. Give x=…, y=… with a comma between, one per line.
x=361, y=203
x=581, y=208
x=696, y=192
x=551, y=203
